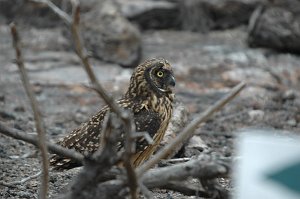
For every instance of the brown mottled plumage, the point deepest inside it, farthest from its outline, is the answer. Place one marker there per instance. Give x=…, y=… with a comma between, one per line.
x=150, y=99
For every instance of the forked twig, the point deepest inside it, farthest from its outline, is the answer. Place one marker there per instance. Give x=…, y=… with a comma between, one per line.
x=37, y=116
x=188, y=130
x=81, y=52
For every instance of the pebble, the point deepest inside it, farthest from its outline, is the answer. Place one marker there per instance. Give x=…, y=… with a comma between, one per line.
x=19, y=109
x=292, y=122
x=256, y=114
x=289, y=95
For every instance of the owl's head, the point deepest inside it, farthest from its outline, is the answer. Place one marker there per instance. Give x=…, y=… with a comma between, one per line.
x=153, y=76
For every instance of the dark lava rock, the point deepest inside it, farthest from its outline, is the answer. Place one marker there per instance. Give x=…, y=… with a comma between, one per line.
x=276, y=26
x=110, y=36
x=107, y=34
x=205, y=15
x=151, y=14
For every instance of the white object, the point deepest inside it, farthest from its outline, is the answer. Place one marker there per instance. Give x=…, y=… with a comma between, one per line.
x=264, y=154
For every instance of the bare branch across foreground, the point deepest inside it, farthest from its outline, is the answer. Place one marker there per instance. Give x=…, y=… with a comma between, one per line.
x=204, y=167
x=188, y=130
x=54, y=148
x=37, y=114
x=96, y=168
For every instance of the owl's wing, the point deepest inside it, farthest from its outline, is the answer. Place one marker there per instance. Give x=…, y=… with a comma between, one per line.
x=146, y=121
x=85, y=139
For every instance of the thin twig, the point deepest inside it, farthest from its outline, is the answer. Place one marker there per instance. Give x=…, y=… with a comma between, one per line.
x=96, y=168
x=145, y=135
x=66, y=18
x=254, y=19
x=129, y=146
x=54, y=148
x=37, y=116
x=175, y=160
x=145, y=191
x=188, y=130
x=22, y=181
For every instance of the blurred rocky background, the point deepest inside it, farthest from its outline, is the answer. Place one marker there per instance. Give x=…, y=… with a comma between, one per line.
x=212, y=45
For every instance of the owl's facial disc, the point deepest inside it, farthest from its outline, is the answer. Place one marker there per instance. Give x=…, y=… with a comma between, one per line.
x=161, y=79
x=169, y=82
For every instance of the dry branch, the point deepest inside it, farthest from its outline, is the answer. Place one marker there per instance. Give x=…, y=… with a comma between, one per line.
x=81, y=52
x=204, y=167
x=129, y=147
x=124, y=115
x=37, y=115
x=96, y=168
x=54, y=148
x=127, y=120
x=188, y=130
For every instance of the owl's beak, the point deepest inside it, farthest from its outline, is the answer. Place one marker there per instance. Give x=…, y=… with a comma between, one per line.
x=171, y=81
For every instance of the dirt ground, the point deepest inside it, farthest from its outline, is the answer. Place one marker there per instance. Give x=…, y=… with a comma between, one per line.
x=206, y=67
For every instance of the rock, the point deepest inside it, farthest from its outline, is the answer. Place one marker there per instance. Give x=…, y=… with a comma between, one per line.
x=19, y=109
x=289, y=95
x=292, y=122
x=204, y=15
x=38, y=14
x=111, y=37
x=254, y=76
x=106, y=33
x=26, y=12
x=195, y=146
x=2, y=98
x=151, y=14
x=178, y=121
x=276, y=26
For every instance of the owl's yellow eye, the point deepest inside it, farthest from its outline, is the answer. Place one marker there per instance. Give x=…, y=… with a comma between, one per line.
x=160, y=74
